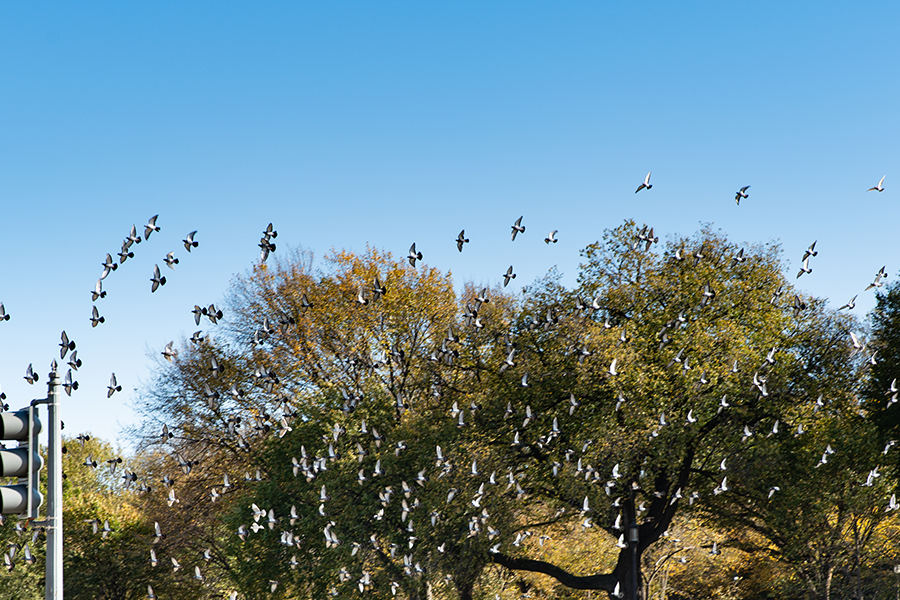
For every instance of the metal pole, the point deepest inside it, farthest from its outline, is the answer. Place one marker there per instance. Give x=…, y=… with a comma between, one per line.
x=54, y=566
x=634, y=538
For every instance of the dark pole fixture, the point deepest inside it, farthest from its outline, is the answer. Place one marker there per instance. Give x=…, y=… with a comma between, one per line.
x=633, y=539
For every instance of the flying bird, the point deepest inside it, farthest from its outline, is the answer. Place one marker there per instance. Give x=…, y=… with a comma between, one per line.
x=741, y=193
x=645, y=184
x=156, y=279
x=3, y=314
x=113, y=386
x=461, y=239
x=413, y=256
x=517, y=228
x=98, y=291
x=879, y=187
x=150, y=227
x=551, y=237
x=189, y=241
x=96, y=319
x=508, y=275
x=170, y=260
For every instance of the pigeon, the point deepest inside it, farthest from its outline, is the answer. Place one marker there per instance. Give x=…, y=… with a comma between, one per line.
x=413, y=256
x=189, y=241
x=461, y=239
x=850, y=305
x=156, y=280
x=170, y=353
x=133, y=237
x=108, y=265
x=645, y=184
x=551, y=237
x=125, y=253
x=65, y=345
x=811, y=251
x=268, y=233
x=113, y=386
x=96, y=319
x=30, y=377
x=508, y=275
x=879, y=187
x=741, y=193
x=877, y=283
x=517, y=228
x=98, y=291
x=265, y=247
x=150, y=227
x=170, y=260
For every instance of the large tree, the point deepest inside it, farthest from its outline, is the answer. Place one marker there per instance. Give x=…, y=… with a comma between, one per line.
x=418, y=436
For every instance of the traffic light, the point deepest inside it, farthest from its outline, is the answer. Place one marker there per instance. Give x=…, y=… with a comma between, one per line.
x=24, y=462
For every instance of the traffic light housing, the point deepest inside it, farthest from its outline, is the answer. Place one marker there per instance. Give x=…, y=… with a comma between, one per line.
x=24, y=462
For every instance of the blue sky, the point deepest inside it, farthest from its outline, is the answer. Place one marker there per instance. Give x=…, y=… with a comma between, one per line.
x=387, y=123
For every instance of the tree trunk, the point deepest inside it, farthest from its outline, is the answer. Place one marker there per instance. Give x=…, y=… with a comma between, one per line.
x=828, y=582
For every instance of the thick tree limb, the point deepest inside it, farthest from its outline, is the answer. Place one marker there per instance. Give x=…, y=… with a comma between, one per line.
x=606, y=582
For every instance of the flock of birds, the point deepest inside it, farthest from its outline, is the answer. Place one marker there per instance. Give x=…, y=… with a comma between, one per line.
x=312, y=466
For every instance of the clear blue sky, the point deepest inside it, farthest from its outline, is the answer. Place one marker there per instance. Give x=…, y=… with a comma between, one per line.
x=386, y=123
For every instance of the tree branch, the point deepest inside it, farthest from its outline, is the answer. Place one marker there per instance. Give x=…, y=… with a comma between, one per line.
x=606, y=582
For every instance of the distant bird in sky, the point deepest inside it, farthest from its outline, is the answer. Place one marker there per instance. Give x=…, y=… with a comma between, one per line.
x=189, y=241
x=551, y=237
x=461, y=239
x=879, y=187
x=96, y=319
x=170, y=260
x=108, y=265
x=150, y=227
x=156, y=280
x=645, y=184
x=741, y=194
x=517, y=228
x=508, y=275
x=113, y=386
x=850, y=305
x=98, y=291
x=413, y=256
x=811, y=251
x=3, y=314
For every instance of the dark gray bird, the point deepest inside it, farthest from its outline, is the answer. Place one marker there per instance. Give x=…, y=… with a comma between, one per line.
x=508, y=275
x=645, y=184
x=65, y=344
x=150, y=227
x=98, y=291
x=265, y=246
x=125, y=253
x=156, y=279
x=170, y=260
x=3, y=315
x=811, y=251
x=108, y=265
x=170, y=353
x=517, y=228
x=74, y=361
x=96, y=319
x=69, y=384
x=461, y=239
x=213, y=314
x=113, y=386
x=741, y=194
x=269, y=233
x=413, y=256
x=30, y=377
x=189, y=241
x=133, y=237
